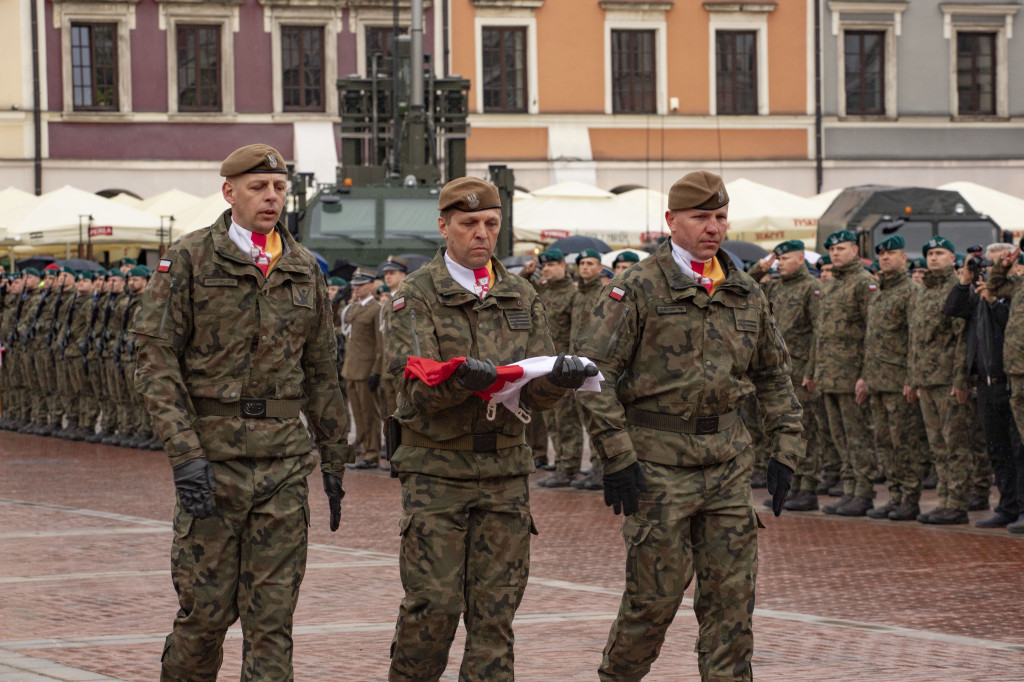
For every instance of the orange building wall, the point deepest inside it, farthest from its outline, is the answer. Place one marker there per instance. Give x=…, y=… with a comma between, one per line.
x=787, y=58
x=463, y=44
x=512, y=144
x=687, y=56
x=622, y=145
x=570, y=48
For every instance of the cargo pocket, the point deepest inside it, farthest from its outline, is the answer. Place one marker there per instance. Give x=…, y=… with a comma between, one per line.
x=183, y=556
x=639, y=578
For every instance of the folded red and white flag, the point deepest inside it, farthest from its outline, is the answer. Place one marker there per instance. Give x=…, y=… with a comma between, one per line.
x=505, y=390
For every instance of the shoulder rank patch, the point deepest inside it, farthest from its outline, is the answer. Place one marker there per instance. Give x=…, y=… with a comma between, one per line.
x=165, y=266
x=617, y=293
x=397, y=304
x=518, y=319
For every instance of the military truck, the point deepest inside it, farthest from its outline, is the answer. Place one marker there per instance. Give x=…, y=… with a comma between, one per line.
x=403, y=135
x=874, y=212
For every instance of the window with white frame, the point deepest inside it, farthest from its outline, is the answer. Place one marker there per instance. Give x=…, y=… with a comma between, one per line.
x=978, y=36
x=866, y=35
x=635, y=72
x=200, y=56
x=373, y=24
x=95, y=56
x=738, y=58
x=506, y=56
x=304, y=55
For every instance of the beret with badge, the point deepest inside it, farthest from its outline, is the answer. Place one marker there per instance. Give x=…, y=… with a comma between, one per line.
x=85, y=274
x=824, y=260
x=587, y=253
x=468, y=195
x=840, y=236
x=893, y=243
x=626, y=257
x=699, y=189
x=70, y=271
x=551, y=256
x=114, y=272
x=140, y=271
x=253, y=158
x=30, y=271
x=938, y=242
x=788, y=247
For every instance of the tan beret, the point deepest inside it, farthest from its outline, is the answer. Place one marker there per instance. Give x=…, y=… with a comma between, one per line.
x=253, y=158
x=468, y=195
x=699, y=189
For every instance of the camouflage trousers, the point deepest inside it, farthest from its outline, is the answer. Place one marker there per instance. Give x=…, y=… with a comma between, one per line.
x=98, y=378
x=87, y=408
x=387, y=397
x=566, y=431
x=692, y=521
x=367, y=421
x=901, y=444
x=851, y=433
x=465, y=551
x=808, y=469
x=46, y=408
x=949, y=425
x=246, y=561
x=136, y=407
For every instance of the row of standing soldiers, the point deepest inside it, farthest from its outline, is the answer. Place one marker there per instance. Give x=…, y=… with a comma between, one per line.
x=69, y=358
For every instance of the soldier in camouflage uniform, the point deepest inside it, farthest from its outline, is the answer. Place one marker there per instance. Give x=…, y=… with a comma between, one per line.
x=558, y=291
x=681, y=339
x=45, y=404
x=466, y=520
x=234, y=340
x=144, y=439
x=13, y=382
x=839, y=362
x=23, y=332
x=103, y=300
x=75, y=346
x=113, y=324
x=795, y=299
x=899, y=430
x=938, y=378
x=588, y=290
x=62, y=398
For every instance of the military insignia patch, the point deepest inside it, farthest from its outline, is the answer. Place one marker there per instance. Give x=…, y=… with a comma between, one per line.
x=473, y=200
x=272, y=160
x=398, y=304
x=872, y=287
x=817, y=292
x=165, y=266
x=617, y=293
x=518, y=319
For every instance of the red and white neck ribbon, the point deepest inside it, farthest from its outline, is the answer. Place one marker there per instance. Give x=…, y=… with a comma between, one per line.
x=506, y=388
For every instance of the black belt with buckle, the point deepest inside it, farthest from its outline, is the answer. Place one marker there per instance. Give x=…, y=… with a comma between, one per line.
x=476, y=442
x=248, y=408
x=700, y=426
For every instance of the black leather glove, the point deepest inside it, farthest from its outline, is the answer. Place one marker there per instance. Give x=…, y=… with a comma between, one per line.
x=195, y=485
x=780, y=478
x=622, y=489
x=569, y=372
x=476, y=375
x=374, y=382
x=332, y=486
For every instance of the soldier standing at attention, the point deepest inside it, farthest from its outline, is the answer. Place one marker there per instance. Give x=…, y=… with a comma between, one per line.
x=75, y=347
x=939, y=378
x=466, y=521
x=682, y=338
x=557, y=291
x=588, y=264
x=15, y=386
x=624, y=261
x=360, y=322
x=839, y=363
x=899, y=431
x=234, y=340
x=395, y=270
x=796, y=296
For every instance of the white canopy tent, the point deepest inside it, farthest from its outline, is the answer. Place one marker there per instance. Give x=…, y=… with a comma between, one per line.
x=63, y=217
x=127, y=200
x=824, y=200
x=1006, y=209
x=766, y=216
x=168, y=203
x=202, y=213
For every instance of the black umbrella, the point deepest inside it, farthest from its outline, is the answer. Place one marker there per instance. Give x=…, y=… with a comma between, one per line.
x=37, y=262
x=80, y=264
x=578, y=242
x=342, y=268
x=747, y=251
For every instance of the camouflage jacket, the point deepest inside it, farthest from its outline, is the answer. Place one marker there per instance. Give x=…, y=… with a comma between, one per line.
x=212, y=326
x=362, y=339
x=9, y=323
x=839, y=349
x=795, y=299
x=78, y=329
x=129, y=340
x=27, y=322
x=114, y=322
x=937, y=344
x=43, y=316
x=100, y=305
x=1003, y=286
x=887, y=339
x=587, y=295
x=432, y=316
x=664, y=345
x=557, y=297
x=65, y=299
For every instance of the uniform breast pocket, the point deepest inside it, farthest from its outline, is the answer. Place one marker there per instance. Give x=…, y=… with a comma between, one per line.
x=744, y=339
x=302, y=310
x=218, y=297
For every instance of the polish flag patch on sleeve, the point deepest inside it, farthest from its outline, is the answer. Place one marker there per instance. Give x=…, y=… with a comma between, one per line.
x=398, y=304
x=165, y=266
x=617, y=293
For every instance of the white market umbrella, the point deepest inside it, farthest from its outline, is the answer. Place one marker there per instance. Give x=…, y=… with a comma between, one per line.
x=1006, y=209
x=127, y=200
x=824, y=200
x=59, y=217
x=10, y=198
x=766, y=216
x=169, y=203
x=201, y=214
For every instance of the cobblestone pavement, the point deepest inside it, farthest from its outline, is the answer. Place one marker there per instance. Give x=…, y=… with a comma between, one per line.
x=85, y=589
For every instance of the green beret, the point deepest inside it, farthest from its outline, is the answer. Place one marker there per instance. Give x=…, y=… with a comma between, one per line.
x=840, y=236
x=383, y=289
x=70, y=271
x=114, y=272
x=86, y=274
x=127, y=261
x=825, y=260
x=699, y=189
x=99, y=273
x=253, y=158
x=626, y=257
x=938, y=242
x=892, y=243
x=587, y=253
x=468, y=195
x=31, y=271
x=139, y=271
x=336, y=282
x=919, y=264
x=873, y=266
x=787, y=247
x=363, y=276
x=551, y=256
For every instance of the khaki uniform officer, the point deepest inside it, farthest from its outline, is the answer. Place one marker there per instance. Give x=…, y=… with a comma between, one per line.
x=234, y=341
x=360, y=322
x=466, y=520
x=681, y=339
